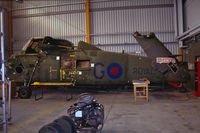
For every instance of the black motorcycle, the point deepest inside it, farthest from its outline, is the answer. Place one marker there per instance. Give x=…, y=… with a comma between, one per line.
x=87, y=113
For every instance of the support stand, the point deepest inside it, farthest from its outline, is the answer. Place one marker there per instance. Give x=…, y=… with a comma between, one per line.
x=3, y=72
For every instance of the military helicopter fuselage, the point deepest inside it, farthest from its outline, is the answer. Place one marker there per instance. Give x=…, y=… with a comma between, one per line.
x=48, y=61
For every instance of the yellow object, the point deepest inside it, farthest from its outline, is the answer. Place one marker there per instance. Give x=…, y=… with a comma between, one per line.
x=44, y=83
x=61, y=46
x=72, y=55
x=180, y=54
x=62, y=74
x=144, y=89
x=88, y=20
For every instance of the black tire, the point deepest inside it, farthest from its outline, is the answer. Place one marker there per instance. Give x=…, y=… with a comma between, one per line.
x=71, y=122
x=24, y=93
x=51, y=128
x=64, y=125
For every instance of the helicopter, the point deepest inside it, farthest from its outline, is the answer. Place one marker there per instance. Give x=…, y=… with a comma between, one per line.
x=46, y=61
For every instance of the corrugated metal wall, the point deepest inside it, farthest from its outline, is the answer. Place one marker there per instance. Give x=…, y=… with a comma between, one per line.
x=112, y=22
x=48, y=18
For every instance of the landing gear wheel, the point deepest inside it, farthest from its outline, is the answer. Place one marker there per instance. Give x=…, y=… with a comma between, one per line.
x=24, y=93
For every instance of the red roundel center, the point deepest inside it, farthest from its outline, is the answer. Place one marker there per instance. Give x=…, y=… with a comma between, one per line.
x=114, y=70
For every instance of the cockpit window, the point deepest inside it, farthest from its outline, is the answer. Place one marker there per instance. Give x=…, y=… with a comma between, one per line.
x=58, y=42
x=46, y=43
x=34, y=46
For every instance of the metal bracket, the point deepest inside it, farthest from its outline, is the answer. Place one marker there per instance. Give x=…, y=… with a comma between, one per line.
x=36, y=64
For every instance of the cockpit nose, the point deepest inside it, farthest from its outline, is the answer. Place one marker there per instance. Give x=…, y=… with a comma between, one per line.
x=12, y=67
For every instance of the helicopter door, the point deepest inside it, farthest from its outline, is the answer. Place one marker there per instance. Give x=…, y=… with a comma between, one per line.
x=50, y=69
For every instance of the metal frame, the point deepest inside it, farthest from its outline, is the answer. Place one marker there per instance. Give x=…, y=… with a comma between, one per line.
x=64, y=4
x=176, y=18
x=189, y=33
x=3, y=71
x=74, y=3
x=92, y=10
x=181, y=35
x=10, y=27
x=9, y=101
x=6, y=117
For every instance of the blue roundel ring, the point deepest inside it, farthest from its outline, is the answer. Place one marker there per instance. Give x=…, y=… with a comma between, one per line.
x=114, y=71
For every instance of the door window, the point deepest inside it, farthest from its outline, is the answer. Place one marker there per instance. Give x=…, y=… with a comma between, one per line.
x=83, y=64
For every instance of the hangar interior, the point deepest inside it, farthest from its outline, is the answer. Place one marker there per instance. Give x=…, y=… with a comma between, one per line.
x=109, y=25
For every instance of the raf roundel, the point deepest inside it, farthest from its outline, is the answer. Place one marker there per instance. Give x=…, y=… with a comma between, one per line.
x=114, y=71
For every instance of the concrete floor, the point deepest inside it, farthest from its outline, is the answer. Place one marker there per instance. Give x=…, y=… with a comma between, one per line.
x=166, y=112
